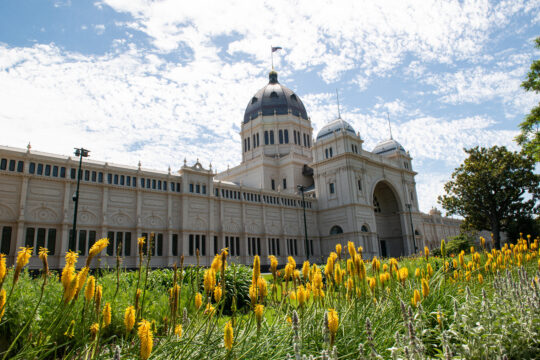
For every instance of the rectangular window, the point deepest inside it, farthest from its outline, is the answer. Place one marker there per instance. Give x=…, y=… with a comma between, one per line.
x=12, y=165
x=154, y=184
x=91, y=238
x=40, y=170
x=277, y=247
x=332, y=189
x=305, y=141
x=295, y=248
x=160, y=244
x=197, y=244
x=30, y=232
x=47, y=170
x=175, y=244
x=127, y=244
x=249, y=246
x=254, y=141
x=109, y=179
x=203, y=244
x=128, y=180
x=51, y=241
x=148, y=183
x=258, y=144
x=40, y=242
x=177, y=187
x=3, y=164
x=20, y=167
x=145, y=245
x=245, y=145
x=308, y=141
x=172, y=186
x=191, y=245
x=286, y=135
x=5, y=246
x=142, y=182
x=86, y=175
x=122, y=179
x=360, y=185
x=272, y=137
x=237, y=246
x=215, y=245
x=198, y=189
x=94, y=176
x=55, y=171
x=204, y=189
x=134, y=181
x=32, y=168
x=190, y=188
x=62, y=172
x=115, y=179
x=100, y=177
x=119, y=243
x=72, y=173
x=266, y=138
x=82, y=242
x=110, y=247
x=164, y=185
x=280, y=135
x=326, y=153
x=273, y=184
x=284, y=184
x=331, y=152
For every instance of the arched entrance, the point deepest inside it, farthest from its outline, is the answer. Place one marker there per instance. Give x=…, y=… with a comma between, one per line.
x=387, y=219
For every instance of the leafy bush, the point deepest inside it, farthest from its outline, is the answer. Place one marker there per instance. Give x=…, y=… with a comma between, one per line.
x=455, y=245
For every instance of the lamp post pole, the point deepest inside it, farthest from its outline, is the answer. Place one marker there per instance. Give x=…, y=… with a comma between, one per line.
x=80, y=152
x=412, y=228
x=302, y=188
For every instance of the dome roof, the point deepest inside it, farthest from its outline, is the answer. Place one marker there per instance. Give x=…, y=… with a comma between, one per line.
x=387, y=146
x=335, y=126
x=274, y=98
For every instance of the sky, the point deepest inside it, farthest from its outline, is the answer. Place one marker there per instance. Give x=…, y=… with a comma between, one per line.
x=163, y=81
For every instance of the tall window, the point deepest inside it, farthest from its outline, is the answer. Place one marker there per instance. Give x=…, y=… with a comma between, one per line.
x=286, y=136
x=5, y=245
x=272, y=137
x=273, y=184
x=266, y=138
x=258, y=144
x=280, y=136
x=284, y=184
x=332, y=188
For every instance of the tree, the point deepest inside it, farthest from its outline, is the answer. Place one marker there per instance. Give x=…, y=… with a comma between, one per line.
x=491, y=188
x=529, y=138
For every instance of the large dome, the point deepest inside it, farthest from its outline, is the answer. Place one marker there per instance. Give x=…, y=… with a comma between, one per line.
x=274, y=98
x=387, y=147
x=335, y=126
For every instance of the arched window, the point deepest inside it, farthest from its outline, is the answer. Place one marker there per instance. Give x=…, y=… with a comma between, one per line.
x=273, y=94
x=364, y=228
x=254, y=100
x=376, y=205
x=336, y=230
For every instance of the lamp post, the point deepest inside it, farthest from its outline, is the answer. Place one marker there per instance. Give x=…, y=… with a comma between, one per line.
x=302, y=188
x=80, y=152
x=412, y=228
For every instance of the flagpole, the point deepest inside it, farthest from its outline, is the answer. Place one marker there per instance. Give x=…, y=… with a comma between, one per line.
x=272, y=55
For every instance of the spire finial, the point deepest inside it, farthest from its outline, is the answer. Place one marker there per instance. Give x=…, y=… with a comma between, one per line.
x=338, y=109
x=273, y=50
x=389, y=125
x=28, y=147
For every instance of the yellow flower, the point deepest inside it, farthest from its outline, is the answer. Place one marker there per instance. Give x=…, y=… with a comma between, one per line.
x=403, y=274
x=291, y=261
x=289, y=320
x=43, y=256
x=3, y=268
x=338, y=250
x=385, y=268
x=429, y=270
x=416, y=298
x=81, y=279
x=198, y=300
x=375, y=264
x=259, y=310
x=71, y=258
x=305, y=270
x=2, y=302
x=98, y=247
x=90, y=288
x=228, y=336
x=263, y=288
x=94, y=328
x=256, y=269
x=178, y=329
x=273, y=263
x=129, y=318
x=97, y=297
x=480, y=278
x=140, y=242
x=425, y=288
x=333, y=322
x=106, y=315
x=439, y=317
x=426, y=252
x=22, y=259
x=218, y=293
x=301, y=295
x=146, y=338
x=417, y=272
x=209, y=310
x=209, y=280
x=352, y=250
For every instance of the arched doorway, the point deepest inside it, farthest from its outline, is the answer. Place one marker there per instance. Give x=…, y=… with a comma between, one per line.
x=387, y=219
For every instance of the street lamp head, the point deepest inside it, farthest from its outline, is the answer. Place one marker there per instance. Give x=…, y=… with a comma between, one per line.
x=82, y=152
x=300, y=187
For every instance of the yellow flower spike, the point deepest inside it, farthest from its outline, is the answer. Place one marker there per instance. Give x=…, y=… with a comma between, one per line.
x=22, y=259
x=425, y=288
x=305, y=270
x=3, y=268
x=403, y=274
x=98, y=247
x=2, y=302
x=209, y=280
x=454, y=264
x=146, y=338
x=352, y=250
x=338, y=251
x=106, y=315
x=71, y=258
x=43, y=256
x=417, y=272
x=259, y=310
x=178, y=330
x=129, y=318
x=301, y=295
x=90, y=288
x=333, y=323
x=291, y=261
x=94, y=328
x=429, y=270
x=218, y=293
x=480, y=278
x=256, y=269
x=372, y=283
x=216, y=263
x=228, y=336
x=338, y=275
x=385, y=268
x=426, y=252
x=273, y=264
x=461, y=259
x=416, y=298
x=198, y=301
x=262, y=287
x=209, y=310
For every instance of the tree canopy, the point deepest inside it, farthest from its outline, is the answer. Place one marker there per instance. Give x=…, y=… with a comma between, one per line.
x=491, y=188
x=529, y=138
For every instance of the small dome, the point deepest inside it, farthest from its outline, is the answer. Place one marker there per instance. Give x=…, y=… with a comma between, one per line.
x=274, y=98
x=335, y=126
x=388, y=146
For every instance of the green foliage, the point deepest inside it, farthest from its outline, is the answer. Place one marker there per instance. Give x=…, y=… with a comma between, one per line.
x=529, y=138
x=490, y=187
x=455, y=244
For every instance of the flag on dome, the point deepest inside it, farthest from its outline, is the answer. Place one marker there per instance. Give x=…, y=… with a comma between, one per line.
x=276, y=48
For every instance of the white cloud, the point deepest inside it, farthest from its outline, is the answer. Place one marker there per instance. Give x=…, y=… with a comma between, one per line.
x=100, y=29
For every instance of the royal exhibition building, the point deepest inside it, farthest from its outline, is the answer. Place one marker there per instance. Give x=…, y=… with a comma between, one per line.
x=295, y=193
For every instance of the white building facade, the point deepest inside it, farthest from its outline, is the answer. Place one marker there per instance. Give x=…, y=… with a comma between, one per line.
x=350, y=194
